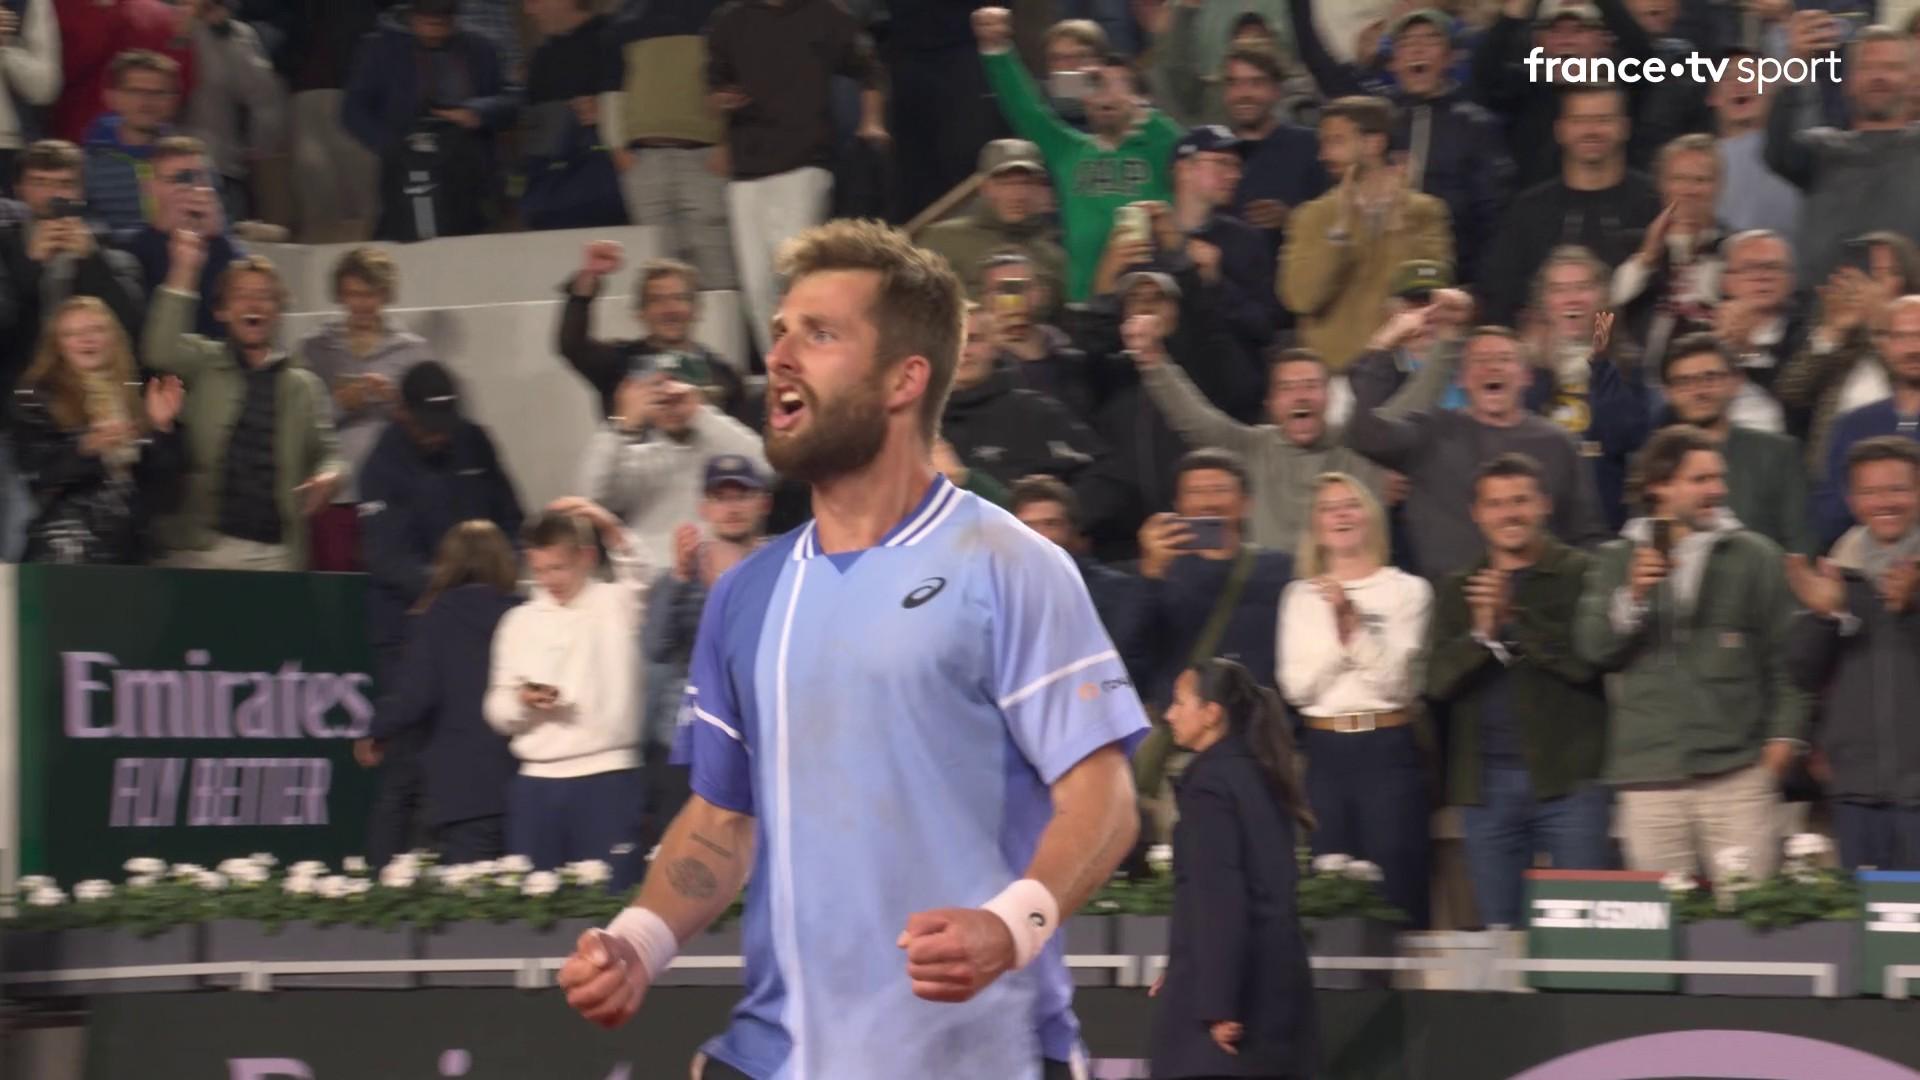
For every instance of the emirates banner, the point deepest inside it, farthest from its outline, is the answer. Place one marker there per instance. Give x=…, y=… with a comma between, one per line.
x=189, y=715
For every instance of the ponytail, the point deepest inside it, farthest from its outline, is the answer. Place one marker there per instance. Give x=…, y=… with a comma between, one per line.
x=1257, y=714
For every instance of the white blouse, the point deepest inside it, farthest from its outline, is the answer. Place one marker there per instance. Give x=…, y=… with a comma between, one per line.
x=1381, y=668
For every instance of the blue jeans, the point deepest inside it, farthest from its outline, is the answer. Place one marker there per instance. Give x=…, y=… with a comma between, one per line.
x=1369, y=792
x=1509, y=827
x=1882, y=837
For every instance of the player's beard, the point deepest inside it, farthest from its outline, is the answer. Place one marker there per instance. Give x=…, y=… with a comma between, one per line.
x=841, y=436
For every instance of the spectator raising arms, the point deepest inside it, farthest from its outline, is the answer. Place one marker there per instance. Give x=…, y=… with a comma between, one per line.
x=99, y=455
x=440, y=690
x=1352, y=631
x=261, y=452
x=29, y=72
x=565, y=684
x=1125, y=157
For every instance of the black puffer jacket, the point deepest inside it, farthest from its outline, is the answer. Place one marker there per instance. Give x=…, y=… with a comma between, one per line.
x=82, y=511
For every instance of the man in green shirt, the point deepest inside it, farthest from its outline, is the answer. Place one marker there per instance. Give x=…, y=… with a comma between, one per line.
x=1125, y=158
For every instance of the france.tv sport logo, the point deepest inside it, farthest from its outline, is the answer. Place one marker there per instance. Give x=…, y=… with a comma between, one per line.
x=1762, y=71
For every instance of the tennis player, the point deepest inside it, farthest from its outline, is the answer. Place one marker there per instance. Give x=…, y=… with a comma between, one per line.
x=908, y=728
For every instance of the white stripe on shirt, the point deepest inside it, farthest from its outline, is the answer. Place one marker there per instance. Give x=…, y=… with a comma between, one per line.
x=1052, y=677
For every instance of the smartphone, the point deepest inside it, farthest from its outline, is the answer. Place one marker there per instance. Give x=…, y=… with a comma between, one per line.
x=1069, y=85
x=66, y=208
x=1133, y=224
x=1010, y=297
x=1203, y=533
x=1663, y=537
x=1858, y=254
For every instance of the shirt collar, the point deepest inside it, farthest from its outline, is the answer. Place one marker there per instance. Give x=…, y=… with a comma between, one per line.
x=920, y=522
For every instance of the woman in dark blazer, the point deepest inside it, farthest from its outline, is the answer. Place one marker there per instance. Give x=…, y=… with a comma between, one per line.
x=443, y=680
x=1237, y=996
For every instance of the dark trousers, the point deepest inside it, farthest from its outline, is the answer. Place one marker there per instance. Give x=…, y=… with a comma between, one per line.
x=480, y=839
x=1369, y=792
x=1881, y=837
x=716, y=1070
x=1509, y=827
x=941, y=115
x=394, y=822
x=668, y=788
x=558, y=821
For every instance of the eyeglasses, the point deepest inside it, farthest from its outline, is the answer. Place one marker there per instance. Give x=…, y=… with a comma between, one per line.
x=1703, y=379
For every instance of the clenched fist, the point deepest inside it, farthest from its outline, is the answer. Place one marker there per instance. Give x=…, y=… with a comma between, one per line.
x=993, y=28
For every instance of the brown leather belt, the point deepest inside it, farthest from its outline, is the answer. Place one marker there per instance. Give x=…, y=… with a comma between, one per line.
x=1354, y=723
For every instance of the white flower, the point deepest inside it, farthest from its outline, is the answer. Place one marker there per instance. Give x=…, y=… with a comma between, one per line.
x=332, y=887
x=484, y=868
x=1331, y=864
x=145, y=866
x=1733, y=862
x=34, y=882
x=515, y=864
x=458, y=877
x=398, y=875
x=1677, y=882
x=1362, y=870
x=1160, y=856
x=1807, y=845
x=541, y=883
x=266, y=859
x=46, y=896
x=89, y=891
x=210, y=880
x=357, y=887
x=142, y=881
x=244, y=871
x=354, y=864
x=188, y=870
x=298, y=885
x=311, y=868
x=589, y=872
x=1804, y=874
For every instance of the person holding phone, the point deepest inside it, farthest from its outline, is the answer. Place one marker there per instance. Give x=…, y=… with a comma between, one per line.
x=180, y=197
x=565, y=686
x=1237, y=995
x=1208, y=591
x=1688, y=613
x=1352, y=633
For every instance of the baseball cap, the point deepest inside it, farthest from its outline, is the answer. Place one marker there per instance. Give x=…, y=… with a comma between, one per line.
x=1164, y=282
x=1433, y=17
x=733, y=469
x=431, y=397
x=1420, y=275
x=1207, y=139
x=1554, y=10
x=687, y=367
x=1004, y=155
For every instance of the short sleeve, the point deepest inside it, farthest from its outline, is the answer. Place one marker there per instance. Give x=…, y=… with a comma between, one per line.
x=1057, y=678
x=711, y=737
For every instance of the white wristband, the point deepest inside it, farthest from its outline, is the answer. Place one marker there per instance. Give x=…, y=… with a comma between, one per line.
x=649, y=935
x=1031, y=913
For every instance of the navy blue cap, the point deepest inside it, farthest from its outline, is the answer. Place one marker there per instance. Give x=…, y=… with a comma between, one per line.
x=1207, y=139
x=733, y=469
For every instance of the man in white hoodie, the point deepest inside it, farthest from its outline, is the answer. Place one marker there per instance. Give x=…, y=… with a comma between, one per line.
x=565, y=684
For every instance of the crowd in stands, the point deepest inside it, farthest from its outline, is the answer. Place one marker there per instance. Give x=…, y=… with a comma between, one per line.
x=1552, y=448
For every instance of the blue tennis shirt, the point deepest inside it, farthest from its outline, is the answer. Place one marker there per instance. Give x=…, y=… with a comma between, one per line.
x=893, y=719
